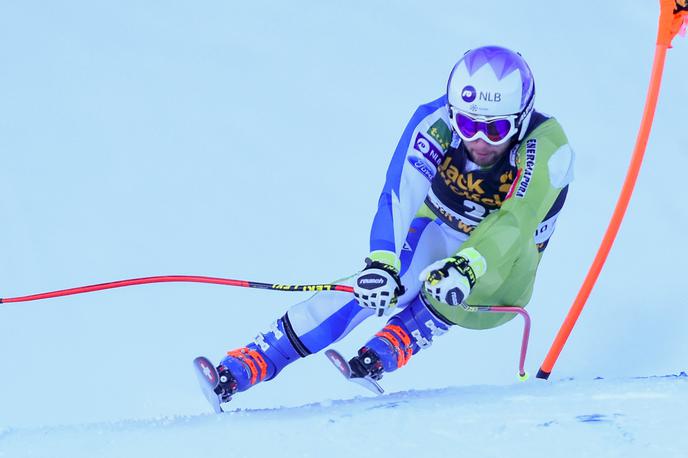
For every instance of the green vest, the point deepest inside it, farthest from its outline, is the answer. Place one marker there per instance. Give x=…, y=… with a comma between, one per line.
x=505, y=237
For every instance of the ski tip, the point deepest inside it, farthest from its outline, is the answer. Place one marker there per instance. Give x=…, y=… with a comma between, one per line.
x=207, y=369
x=343, y=366
x=339, y=362
x=208, y=379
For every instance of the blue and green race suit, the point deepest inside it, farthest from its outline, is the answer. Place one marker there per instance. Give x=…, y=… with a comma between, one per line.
x=436, y=201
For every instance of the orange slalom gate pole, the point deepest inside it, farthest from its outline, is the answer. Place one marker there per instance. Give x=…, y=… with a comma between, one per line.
x=672, y=18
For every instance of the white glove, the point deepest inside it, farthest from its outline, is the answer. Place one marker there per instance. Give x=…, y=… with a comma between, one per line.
x=378, y=286
x=450, y=280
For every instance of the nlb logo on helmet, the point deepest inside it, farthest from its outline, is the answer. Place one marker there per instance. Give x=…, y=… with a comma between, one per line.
x=490, y=97
x=468, y=94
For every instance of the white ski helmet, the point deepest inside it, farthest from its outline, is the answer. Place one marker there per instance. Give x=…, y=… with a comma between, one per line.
x=492, y=82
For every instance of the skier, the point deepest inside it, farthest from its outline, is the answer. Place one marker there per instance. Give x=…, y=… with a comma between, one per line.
x=470, y=202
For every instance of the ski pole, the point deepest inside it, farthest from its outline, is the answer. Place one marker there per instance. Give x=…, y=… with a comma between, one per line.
x=252, y=284
x=177, y=278
x=522, y=374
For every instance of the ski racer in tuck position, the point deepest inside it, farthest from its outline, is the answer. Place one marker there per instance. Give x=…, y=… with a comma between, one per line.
x=470, y=202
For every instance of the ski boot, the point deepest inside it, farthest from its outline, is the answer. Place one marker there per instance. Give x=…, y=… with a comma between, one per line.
x=366, y=364
x=227, y=384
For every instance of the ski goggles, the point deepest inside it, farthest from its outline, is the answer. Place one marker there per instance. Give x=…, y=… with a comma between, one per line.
x=495, y=130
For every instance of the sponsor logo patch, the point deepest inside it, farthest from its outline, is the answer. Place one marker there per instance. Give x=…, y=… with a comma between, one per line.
x=454, y=297
x=441, y=133
x=423, y=167
x=531, y=148
x=471, y=186
x=371, y=281
x=428, y=149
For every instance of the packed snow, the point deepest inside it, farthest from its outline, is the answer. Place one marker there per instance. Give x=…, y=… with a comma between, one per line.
x=250, y=140
x=568, y=418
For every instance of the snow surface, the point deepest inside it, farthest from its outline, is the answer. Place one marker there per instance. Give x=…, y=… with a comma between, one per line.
x=250, y=140
x=610, y=418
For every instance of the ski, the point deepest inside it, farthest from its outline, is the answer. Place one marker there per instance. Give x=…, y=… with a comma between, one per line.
x=343, y=366
x=208, y=379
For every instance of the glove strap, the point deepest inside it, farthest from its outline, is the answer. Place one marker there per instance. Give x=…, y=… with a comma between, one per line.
x=468, y=262
x=463, y=266
x=370, y=264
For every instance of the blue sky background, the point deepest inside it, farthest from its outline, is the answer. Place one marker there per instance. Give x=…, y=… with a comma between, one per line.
x=251, y=141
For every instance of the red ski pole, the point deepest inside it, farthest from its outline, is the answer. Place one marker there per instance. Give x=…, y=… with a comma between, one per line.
x=177, y=278
x=259, y=285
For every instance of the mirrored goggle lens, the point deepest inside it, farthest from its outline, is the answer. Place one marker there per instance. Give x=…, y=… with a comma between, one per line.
x=496, y=129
